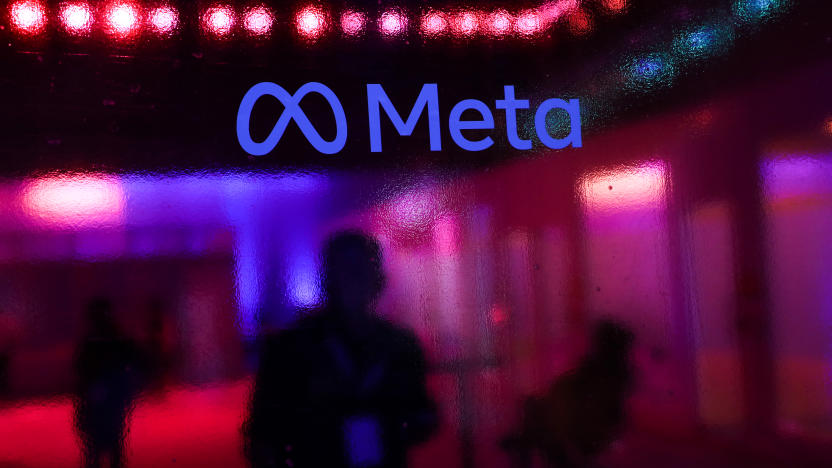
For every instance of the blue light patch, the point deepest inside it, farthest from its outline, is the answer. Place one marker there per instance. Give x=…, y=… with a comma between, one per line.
x=754, y=11
x=650, y=71
x=704, y=41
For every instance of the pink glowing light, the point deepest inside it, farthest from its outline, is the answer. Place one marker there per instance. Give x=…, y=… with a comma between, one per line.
x=28, y=17
x=353, y=22
x=414, y=211
x=447, y=236
x=219, y=20
x=625, y=189
x=551, y=12
x=498, y=314
x=434, y=23
x=76, y=17
x=499, y=23
x=122, y=19
x=528, y=23
x=163, y=20
x=393, y=22
x=466, y=23
x=258, y=21
x=311, y=22
x=85, y=200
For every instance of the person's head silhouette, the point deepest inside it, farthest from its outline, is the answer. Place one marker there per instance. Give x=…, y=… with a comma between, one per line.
x=100, y=319
x=352, y=274
x=612, y=343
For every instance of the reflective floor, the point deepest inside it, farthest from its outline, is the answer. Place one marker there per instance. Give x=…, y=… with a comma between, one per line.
x=199, y=427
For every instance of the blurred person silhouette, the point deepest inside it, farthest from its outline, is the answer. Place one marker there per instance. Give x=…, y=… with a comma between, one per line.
x=9, y=336
x=341, y=388
x=159, y=353
x=583, y=411
x=106, y=364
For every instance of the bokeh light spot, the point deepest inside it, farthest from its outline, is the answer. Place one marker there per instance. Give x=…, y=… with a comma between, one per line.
x=28, y=17
x=434, y=23
x=311, y=22
x=163, y=20
x=465, y=23
x=528, y=23
x=500, y=23
x=76, y=18
x=219, y=20
x=258, y=21
x=122, y=19
x=392, y=22
x=353, y=22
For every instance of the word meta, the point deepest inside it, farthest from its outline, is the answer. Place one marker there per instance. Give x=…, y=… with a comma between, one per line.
x=427, y=103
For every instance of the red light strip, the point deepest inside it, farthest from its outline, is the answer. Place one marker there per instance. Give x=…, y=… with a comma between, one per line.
x=124, y=18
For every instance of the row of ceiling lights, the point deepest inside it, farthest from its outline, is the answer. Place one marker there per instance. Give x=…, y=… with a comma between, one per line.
x=123, y=19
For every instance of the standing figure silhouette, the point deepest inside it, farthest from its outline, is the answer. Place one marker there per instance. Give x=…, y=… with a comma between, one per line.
x=342, y=388
x=106, y=366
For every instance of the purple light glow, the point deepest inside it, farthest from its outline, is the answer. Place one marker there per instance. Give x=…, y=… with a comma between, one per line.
x=302, y=283
x=797, y=176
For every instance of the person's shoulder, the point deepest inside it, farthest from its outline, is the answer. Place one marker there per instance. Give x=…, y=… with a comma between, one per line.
x=302, y=330
x=396, y=335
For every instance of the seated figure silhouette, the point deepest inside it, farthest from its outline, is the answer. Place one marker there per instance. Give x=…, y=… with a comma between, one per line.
x=342, y=387
x=583, y=411
x=106, y=366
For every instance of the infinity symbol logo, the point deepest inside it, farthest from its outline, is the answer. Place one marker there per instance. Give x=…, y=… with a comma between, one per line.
x=292, y=112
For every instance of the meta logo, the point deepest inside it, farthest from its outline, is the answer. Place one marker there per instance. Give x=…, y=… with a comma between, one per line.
x=426, y=103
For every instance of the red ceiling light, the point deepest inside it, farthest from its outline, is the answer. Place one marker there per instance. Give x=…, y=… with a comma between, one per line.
x=76, y=18
x=580, y=23
x=434, y=23
x=122, y=19
x=258, y=21
x=465, y=23
x=528, y=23
x=615, y=6
x=311, y=22
x=353, y=22
x=28, y=17
x=219, y=20
x=392, y=22
x=499, y=23
x=163, y=20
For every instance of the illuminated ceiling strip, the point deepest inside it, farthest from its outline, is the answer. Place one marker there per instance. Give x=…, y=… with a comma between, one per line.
x=123, y=19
